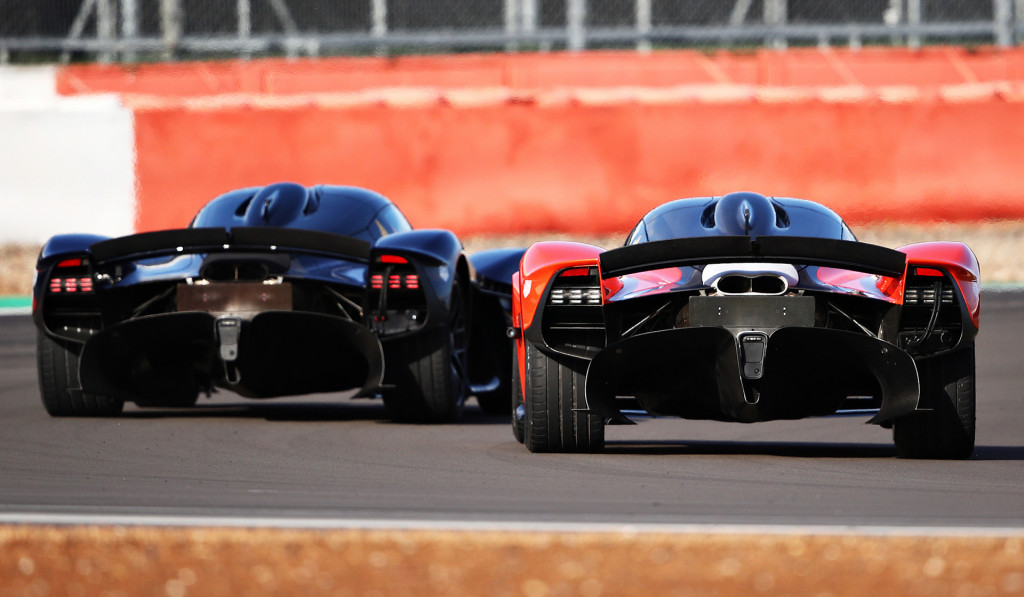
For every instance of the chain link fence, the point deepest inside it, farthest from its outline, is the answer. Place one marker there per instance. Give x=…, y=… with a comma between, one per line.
x=155, y=30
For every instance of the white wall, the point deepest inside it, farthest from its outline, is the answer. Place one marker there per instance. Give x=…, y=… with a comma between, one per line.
x=66, y=163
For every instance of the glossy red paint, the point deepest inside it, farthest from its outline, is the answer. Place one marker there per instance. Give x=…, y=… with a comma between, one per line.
x=957, y=259
x=879, y=287
x=541, y=262
x=639, y=283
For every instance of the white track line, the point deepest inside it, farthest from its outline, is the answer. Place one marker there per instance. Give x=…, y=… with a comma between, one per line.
x=69, y=519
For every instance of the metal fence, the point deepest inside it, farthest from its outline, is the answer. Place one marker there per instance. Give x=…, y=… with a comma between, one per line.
x=154, y=30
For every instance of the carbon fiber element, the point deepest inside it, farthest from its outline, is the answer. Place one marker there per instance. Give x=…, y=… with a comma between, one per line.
x=851, y=255
x=208, y=240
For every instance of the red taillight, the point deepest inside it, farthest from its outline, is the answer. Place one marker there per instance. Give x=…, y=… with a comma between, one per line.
x=397, y=281
x=393, y=259
x=576, y=271
x=927, y=271
x=70, y=285
x=71, y=263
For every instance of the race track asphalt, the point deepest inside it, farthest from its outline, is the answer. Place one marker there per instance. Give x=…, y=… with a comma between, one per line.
x=331, y=458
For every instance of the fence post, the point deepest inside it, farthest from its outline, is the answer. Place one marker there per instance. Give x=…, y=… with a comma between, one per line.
x=643, y=25
x=170, y=25
x=575, y=25
x=244, y=9
x=1018, y=16
x=775, y=16
x=129, y=28
x=1001, y=12
x=511, y=24
x=914, y=21
x=379, y=23
x=106, y=30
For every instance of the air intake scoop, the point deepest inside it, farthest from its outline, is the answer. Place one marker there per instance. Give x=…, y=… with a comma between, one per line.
x=745, y=214
x=277, y=205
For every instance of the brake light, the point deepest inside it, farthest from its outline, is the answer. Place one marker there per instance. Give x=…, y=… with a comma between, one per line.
x=395, y=281
x=71, y=263
x=928, y=271
x=398, y=259
x=576, y=271
x=70, y=285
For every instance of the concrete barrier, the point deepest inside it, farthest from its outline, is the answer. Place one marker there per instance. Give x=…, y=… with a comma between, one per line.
x=67, y=163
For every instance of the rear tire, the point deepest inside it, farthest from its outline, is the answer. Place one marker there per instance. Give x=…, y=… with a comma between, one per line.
x=429, y=371
x=60, y=386
x=554, y=397
x=948, y=430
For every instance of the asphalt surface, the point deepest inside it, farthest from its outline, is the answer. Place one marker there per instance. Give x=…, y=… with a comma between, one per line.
x=332, y=458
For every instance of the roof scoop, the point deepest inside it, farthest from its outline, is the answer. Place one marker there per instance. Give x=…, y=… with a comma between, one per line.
x=277, y=205
x=745, y=214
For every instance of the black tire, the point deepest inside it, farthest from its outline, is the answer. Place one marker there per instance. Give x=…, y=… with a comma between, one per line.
x=428, y=371
x=518, y=425
x=59, y=384
x=554, y=399
x=946, y=431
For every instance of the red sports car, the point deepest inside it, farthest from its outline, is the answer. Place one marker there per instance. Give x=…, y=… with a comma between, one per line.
x=745, y=308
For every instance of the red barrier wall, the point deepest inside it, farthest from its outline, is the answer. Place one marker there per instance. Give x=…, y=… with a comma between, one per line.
x=559, y=142
x=509, y=167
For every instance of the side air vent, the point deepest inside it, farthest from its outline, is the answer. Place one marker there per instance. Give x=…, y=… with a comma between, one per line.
x=573, y=320
x=707, y=217
x=930, y=320
x=926, y=295
x=243, y=207
x=781, y=217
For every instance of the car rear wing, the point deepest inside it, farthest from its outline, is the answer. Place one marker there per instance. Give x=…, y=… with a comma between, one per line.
x=841, y=254
x=165, y=243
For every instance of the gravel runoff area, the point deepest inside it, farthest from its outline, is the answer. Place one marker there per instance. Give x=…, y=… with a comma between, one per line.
x=998, y=245
x=177, y=562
